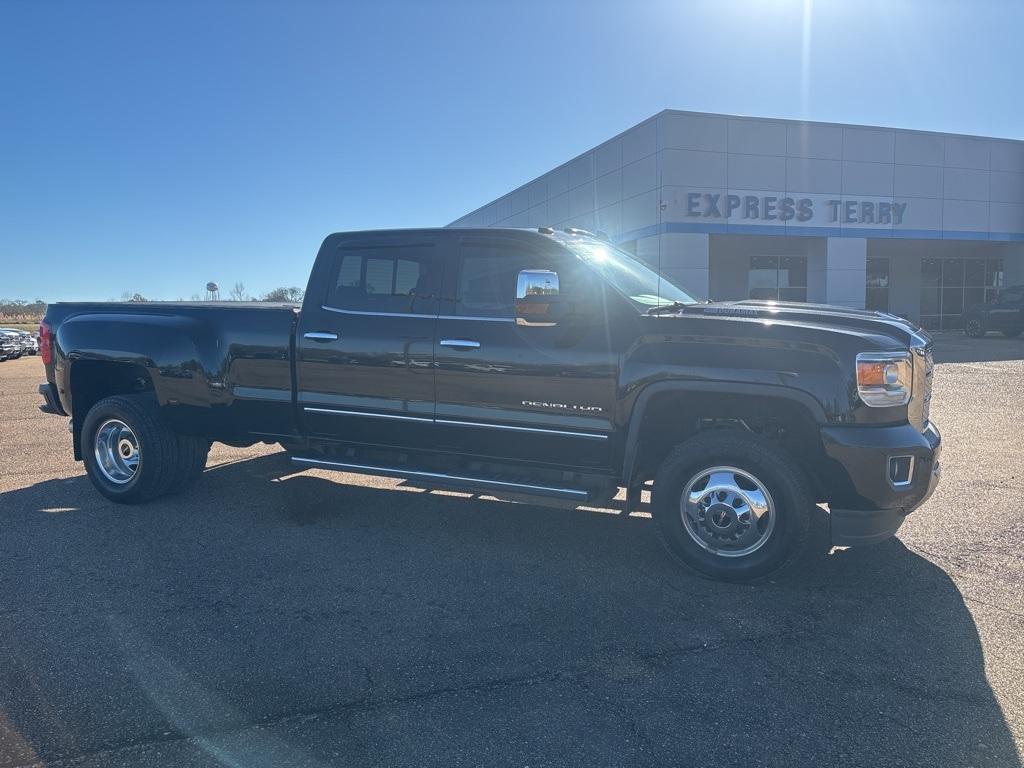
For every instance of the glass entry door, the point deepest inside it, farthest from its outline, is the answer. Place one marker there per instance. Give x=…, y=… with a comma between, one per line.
x=876, y=287
x=778, y=278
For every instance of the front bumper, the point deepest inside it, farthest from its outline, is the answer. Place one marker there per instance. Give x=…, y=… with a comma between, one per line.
x=869, y=506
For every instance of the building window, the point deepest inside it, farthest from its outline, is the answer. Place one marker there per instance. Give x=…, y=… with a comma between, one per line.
x=876, y=287
x=778, y=278
x=948, y=286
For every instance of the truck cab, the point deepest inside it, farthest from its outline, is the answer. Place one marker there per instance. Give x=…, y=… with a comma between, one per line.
x=422, y=341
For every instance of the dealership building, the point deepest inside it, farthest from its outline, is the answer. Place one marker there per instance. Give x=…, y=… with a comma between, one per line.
x=915, y=223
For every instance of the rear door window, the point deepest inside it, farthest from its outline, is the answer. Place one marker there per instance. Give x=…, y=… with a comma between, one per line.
x=391, y=278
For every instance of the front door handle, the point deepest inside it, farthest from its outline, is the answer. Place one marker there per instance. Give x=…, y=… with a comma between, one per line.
x=460, y=343
x=320, y=336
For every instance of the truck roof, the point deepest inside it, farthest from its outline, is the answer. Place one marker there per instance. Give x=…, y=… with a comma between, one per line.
x=527, y=231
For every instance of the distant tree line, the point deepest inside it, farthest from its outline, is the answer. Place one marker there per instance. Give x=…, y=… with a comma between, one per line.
x=21, y=311
x=237, y=293
x=284, y=293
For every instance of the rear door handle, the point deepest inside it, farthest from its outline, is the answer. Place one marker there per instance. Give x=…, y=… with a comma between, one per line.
x=460, y=343
x=320, y=336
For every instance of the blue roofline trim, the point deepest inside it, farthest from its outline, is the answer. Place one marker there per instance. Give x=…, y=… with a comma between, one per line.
x=680, y=227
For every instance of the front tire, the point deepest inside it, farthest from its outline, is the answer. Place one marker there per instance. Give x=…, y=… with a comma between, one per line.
x=974, y=328
x=1011, y=334
x=730, y=505
x=130, y=456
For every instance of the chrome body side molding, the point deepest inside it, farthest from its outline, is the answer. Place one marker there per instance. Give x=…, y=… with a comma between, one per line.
x=456, y=422
x=340, y=412
x=514, y=428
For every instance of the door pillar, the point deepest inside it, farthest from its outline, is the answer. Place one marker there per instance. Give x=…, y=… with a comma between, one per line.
x=846, y=260
x=686, y=259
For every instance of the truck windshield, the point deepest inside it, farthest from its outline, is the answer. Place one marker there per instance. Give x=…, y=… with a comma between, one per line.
x=644, y=287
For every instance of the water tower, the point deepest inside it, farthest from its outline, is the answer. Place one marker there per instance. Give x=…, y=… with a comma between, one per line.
x=212, y=291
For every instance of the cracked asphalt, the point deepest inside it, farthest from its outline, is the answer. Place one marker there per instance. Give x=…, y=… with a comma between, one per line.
x=275, y=618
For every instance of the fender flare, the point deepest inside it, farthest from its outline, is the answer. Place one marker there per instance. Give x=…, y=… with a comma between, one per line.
x=166, y=346
x=632, y=444
x=128, y=339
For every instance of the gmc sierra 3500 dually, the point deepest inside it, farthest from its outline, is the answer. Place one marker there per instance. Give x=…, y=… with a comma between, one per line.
x=539, y=362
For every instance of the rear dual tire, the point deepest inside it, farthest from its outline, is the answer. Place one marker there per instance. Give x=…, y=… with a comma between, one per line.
x=132, y=457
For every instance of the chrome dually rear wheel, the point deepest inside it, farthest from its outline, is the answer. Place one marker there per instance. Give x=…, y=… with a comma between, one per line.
x=131, y=455
x=117, y=451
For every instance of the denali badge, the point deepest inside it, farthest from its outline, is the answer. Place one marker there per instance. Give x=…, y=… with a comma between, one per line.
x=737, y=311
x=563, y=406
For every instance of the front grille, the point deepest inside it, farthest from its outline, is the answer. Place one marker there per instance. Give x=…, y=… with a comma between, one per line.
x=929, y=370
x=921, y=398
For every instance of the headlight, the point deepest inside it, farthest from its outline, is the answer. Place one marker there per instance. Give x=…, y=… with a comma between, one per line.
x=884, y=378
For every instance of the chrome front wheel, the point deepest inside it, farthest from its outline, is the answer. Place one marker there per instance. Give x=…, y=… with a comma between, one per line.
x=732, y=505
x=727, y=511
x=117, y=451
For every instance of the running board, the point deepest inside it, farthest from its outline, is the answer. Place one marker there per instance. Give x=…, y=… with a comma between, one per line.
x=440, y=478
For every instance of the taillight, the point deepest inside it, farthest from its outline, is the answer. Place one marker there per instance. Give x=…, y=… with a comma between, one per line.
x=45, y=343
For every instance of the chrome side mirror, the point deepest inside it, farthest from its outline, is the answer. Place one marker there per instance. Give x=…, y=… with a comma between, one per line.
x=537, y=297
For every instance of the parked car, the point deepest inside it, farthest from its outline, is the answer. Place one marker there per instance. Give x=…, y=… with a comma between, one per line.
x=526, y=362
x=22, y=339
x=28, y=344
x=1005, y=313
x=11, y=343
x=9, y=347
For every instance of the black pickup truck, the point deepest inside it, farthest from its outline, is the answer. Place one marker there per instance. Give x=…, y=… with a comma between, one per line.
x=520, y=362
x=1004, y=313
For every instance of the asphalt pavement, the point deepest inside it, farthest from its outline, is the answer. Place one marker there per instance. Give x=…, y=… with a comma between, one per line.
x=278, y=618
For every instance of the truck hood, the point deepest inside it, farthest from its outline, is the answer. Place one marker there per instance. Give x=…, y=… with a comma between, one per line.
x=819, y=315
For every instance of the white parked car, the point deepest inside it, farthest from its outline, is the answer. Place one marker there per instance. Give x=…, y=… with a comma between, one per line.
x=9, y=347
x=23, y=340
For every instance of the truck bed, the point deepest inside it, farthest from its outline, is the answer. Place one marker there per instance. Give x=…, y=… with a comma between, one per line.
x=225, y=364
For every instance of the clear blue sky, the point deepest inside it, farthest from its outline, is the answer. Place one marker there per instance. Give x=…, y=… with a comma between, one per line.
x=152, y=147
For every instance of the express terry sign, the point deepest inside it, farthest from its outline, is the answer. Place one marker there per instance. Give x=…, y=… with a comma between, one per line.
x=710, y=205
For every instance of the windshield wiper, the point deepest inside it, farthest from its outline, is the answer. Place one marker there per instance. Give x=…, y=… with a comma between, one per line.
x=662, y=308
